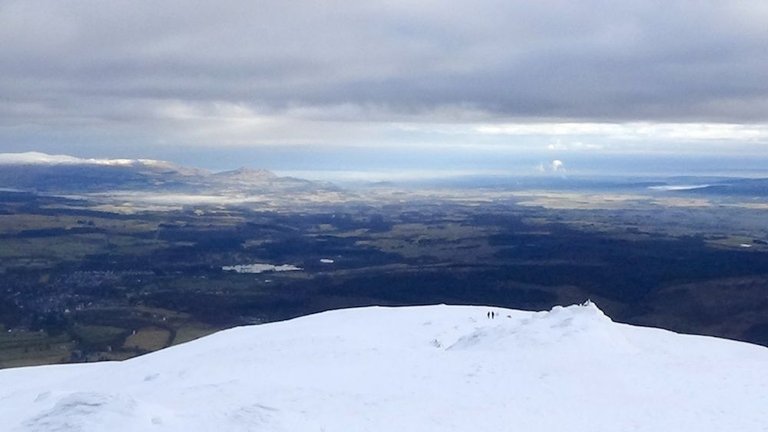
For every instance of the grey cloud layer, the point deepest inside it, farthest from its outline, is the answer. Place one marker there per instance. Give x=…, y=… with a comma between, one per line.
x=81, y=61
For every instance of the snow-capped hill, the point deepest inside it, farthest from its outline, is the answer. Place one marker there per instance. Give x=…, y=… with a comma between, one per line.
x=432, y=368
x=62, y=174
x=37, y=158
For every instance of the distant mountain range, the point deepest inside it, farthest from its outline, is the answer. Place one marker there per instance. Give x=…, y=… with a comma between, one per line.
x=42, y=172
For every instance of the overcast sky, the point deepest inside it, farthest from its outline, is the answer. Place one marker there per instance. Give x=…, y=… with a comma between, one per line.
x=311, y=84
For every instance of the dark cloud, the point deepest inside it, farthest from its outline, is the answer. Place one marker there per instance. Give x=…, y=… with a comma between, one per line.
x=90, y=62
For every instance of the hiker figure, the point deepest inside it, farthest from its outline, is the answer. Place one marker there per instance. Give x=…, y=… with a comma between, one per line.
x=493, y=314
x=488, y=315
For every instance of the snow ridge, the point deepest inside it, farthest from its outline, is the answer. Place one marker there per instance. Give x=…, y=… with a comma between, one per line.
x=428, y=368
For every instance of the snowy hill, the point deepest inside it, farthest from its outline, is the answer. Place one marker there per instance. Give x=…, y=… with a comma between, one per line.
x=37, y=158
x=41, y=172
x=436, y=368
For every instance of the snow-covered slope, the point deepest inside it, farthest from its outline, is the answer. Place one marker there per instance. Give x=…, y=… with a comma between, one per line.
x=436, y=368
